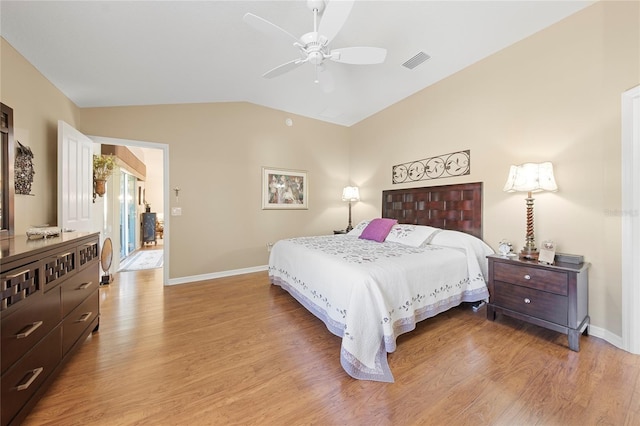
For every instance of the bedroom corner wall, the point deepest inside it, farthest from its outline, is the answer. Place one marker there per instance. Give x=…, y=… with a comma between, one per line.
x=553, y=96
x=37, y=106
x=216, y=155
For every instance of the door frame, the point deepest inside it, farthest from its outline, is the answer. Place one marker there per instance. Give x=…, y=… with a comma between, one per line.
x=631, y=220
x=166, y=238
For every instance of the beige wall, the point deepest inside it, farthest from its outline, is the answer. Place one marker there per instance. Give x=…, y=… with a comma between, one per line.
x=216, y=152
x=37, y=106
x=154, y=161
x=555, y=96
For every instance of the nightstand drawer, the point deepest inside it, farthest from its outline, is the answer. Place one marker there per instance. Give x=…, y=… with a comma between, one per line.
x=536, y=278
x=536, y=303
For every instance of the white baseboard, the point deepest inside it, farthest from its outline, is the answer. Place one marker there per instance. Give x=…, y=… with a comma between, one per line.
x=607, y=336
x=214, y=275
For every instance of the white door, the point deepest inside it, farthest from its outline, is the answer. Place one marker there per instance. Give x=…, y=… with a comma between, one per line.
x=75, y=179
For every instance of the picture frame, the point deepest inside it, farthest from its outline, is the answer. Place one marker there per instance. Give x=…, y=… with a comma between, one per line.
x=284, y=189
x=547, y=253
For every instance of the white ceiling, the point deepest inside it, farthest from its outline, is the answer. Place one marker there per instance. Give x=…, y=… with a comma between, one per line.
x=115, y=53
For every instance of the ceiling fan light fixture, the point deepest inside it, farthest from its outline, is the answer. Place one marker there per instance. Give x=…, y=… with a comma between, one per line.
x=315, y=58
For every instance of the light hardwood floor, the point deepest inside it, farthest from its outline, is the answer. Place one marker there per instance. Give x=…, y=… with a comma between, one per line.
x=240, y=351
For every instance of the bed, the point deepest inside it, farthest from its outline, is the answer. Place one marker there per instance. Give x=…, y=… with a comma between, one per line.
x=428, y=258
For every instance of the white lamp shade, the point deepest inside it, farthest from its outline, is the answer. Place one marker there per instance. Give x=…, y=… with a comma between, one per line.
x=531, y=177
x=350, y=193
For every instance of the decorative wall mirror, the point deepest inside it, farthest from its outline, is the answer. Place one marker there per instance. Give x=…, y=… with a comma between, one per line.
x=6, y=173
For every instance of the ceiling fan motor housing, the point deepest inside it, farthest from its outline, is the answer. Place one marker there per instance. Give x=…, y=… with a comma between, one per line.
x=314, y=47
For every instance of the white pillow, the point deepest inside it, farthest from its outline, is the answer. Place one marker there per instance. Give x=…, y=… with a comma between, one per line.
x=359, y=228
x=411, y=235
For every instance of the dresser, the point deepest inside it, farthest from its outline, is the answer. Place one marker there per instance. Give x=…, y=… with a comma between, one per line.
x=49, y=304
x=551, y=296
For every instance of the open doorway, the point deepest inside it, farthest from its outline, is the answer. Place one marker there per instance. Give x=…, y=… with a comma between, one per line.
x=133, y=194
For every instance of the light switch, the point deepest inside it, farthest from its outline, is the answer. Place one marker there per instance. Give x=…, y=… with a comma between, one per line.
x=176, y=211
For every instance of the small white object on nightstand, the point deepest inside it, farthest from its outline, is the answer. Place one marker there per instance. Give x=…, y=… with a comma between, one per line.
x=504, y=248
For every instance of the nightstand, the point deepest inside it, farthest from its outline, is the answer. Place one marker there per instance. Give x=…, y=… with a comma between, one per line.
x=551, y=296
x=340, y=231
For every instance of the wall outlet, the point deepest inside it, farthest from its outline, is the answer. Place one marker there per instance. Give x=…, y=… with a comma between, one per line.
x=176, y=211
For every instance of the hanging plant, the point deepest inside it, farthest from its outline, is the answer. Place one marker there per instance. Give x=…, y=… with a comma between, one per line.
x=103, y=166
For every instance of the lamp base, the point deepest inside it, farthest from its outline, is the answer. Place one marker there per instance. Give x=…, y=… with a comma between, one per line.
x=529, y=254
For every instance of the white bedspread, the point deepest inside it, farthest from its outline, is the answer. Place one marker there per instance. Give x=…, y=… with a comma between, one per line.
x=369, y=293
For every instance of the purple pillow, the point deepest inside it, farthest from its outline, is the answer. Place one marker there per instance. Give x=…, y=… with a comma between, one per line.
x=378, y=229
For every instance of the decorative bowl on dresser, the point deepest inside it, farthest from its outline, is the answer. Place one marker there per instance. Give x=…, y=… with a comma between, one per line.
x=49, y=304
x=551, y=296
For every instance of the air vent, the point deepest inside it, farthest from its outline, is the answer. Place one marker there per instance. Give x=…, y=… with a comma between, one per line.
x=416, y=60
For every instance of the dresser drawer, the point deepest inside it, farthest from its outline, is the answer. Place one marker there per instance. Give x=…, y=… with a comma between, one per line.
x=75, y=290
x=536, y=278
x=24, y=327
x=88, y=254
x=21, y=381
x=536, y=303
x=59, y=267
x=76, y=323
x=18, y=284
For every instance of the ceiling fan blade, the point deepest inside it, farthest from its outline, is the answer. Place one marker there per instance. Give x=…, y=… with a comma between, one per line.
x=269, y=28
x=281, y=69
x=334, y=17
x=359, y=55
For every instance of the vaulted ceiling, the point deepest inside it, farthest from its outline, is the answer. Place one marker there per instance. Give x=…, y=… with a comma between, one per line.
x=117, y=53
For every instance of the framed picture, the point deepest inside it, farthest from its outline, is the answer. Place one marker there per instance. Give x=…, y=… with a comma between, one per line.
x=547, y=252
x=284, y=189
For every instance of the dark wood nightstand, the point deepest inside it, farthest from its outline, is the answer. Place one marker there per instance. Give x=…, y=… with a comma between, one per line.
x=551, y=296
x=340, y=231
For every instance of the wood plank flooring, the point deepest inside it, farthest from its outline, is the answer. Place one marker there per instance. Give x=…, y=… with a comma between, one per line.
x=239, y=351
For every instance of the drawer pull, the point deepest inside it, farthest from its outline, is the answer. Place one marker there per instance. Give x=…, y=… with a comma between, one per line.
x=85, y=285
x=527, y=277
x=85, y=317
x=33, y=327
x=17, y=274
x=60, y=256
x=34, y=375
x=527, y=300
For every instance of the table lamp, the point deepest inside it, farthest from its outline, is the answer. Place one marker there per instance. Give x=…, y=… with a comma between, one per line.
x=530, y=178
x=350, y=193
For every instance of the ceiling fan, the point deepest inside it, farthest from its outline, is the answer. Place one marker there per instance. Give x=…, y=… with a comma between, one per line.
x=313, y=47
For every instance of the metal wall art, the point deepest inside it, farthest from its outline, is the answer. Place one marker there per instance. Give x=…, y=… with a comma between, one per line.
x=24, y=169
x=446, y=165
